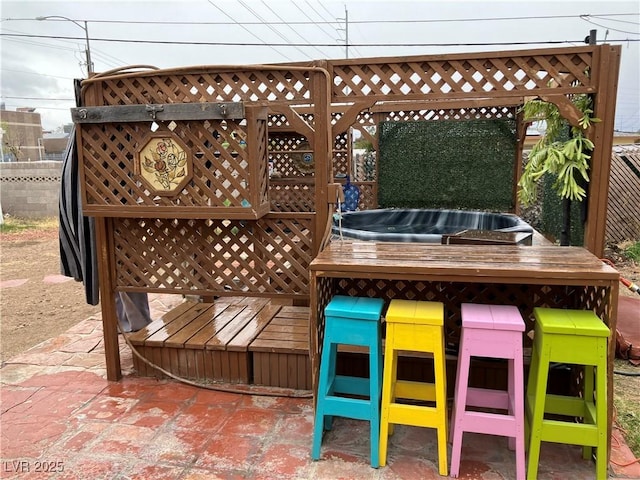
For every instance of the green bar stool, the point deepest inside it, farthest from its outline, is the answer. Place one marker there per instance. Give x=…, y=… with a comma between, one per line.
x=579, y=338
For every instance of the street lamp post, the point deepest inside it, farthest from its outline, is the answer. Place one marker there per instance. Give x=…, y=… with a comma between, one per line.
x=86, y=36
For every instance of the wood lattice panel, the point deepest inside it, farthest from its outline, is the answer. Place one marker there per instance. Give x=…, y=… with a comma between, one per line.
x=207, y=85
x=279, y=121
x=368, y=197
x=464, y=75
x=292, y=197
x=210, y=257
x=281, y=148
x=325, y=292
x=222, y=171
x=525, y=297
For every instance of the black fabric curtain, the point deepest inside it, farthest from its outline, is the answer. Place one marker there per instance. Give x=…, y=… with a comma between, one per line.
x=77, y=232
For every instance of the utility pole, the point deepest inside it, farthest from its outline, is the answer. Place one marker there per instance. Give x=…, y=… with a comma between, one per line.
x=87, y=49
x=346, y=32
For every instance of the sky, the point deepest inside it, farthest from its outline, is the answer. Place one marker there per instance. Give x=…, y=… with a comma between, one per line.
x=37, y=70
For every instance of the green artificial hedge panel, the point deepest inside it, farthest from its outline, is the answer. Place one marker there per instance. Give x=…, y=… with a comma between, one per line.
x=465, y=164
x=552, y=220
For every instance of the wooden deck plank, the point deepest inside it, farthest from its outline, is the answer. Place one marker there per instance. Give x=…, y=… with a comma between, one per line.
x=219, y=320
x=233, y=327
x=139, y=337
x=276, y=346
x=279, y=320
x=158, y=338
x=208, y=365
x=289, y=311
x=253, y=328
x=272, y=331
x=197, y=323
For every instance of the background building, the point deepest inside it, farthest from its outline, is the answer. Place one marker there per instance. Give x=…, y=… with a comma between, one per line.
x=22, y=135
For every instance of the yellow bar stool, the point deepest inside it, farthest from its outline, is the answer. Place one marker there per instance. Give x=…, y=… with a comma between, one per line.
x=417, y=327
x=579, y=338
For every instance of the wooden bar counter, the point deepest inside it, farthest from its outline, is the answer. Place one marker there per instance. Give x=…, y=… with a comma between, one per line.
x=524, y=276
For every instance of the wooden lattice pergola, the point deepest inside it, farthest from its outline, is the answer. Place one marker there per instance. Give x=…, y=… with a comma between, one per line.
x=218, y=180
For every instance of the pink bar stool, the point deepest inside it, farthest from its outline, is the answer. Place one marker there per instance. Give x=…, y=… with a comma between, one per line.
x=493, y=331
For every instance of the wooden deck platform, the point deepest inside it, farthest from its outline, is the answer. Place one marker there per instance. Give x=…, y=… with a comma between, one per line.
x=256, y=341
x=235, y=340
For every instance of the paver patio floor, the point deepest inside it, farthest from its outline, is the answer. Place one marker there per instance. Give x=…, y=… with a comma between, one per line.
x=62, y=419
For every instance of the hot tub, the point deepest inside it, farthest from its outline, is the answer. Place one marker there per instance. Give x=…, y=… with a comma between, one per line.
x=422, y=225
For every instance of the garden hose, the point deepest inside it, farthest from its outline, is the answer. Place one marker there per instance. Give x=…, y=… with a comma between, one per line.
x=627, y=283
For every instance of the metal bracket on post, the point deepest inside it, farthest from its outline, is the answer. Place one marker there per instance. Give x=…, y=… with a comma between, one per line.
x=153, y=110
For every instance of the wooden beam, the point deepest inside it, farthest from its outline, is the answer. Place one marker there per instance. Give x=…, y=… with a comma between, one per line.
x=350, y=115
x=295, y=120
x=443, y=104
x=150, y=112
x=567, y=109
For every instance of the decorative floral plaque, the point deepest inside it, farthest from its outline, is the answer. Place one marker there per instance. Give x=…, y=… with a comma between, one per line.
x=163, y=164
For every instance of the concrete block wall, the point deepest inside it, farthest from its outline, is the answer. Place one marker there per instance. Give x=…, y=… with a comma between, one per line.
x=30, y=189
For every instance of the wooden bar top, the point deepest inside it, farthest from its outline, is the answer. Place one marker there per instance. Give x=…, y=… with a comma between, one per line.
x=463, y=263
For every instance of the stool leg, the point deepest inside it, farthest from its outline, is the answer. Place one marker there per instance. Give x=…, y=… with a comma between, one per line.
x=456, y=389
x=388, y=384
x=601, y=411
x=323, y=390
x=460, y=402
x=441, y=405
x=331, y=377
x=375, y=371
x=587, y=395
x=517, y=402
x=529, y=400
x=537, y=386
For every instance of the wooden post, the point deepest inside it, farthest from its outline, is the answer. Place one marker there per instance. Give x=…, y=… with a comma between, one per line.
x=322, y=149
x=605, y=77
x=521, y=135
x=104, y=230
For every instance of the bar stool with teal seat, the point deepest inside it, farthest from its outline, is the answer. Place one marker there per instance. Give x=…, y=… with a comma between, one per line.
x=415, y=326
x=579, y=338
x=350, y=321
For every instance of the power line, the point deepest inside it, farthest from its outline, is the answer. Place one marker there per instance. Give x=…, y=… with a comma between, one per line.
x=609, y=28
x=246, y=29
x=293, y=29
x=318, y=24
x=313, y=22
x=35, y=73
x=39, y=44
x=325, y=8
x=17, y=105
x=270, y=27
x=272, y=45
x=38, y=98
x=616, y=20
x=110, y=60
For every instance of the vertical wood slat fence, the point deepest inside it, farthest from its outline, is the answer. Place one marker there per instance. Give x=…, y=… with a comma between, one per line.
x=623, y=219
